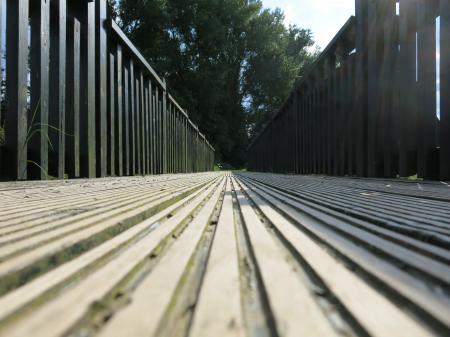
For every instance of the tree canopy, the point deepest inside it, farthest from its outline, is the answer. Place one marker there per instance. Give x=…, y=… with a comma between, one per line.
x=230, y=63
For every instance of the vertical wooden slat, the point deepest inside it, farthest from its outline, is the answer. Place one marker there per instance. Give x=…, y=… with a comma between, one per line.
x=101, y=85
x=169, y=134
x=351, y=132
x=444, y=131
x=157, y=133
x=132, y=118
x=408, y=89
x=361, y=8
x=337, y=85
x=119, y=117
x=186, y=144
x=112, y=114
x=147, y=126
x=73, y=101
x=153, y=132
x=142, y=123
x=164, y=126
x=343, y=108
x=39, y=101
x=387, y=85
x=331, y=101
x=58, y=89
x=127, y=119
x=152, y=129
x=427, y=159
x=375, y=19
x=137, y=121
x=87, y=111
x=16, y=87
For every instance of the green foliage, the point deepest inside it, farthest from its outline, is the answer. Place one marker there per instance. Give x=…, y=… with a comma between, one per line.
x=228, y=62
x=2, y=136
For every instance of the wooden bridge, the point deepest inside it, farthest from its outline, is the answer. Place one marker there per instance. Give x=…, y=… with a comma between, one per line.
x=160, y=246
x=215, y=254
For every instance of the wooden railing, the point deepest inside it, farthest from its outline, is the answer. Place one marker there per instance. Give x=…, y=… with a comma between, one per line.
x=81, y=101
x=371, y=105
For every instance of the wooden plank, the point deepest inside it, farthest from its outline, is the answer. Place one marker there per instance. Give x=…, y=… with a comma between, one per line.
x=132, y=117
x=119, y=122
x=361, y=73
x=427, y=160
x=164, y=130
x=147, y=127
x=281, y=282
x=384, y=318
x=152, y=129
x=82, y=297
x=153, y=114
x=218, y=311
x=127, y=118
x=408, y=89
x=73, y=101
x=138, y=124
x=57, y=105
x=329, y=114
x=413, y=289
x=39, y=100
x=112, y=115
x=20, y=297
x=351, y=131
x=16, y=87
x=20, y=256
x=101, y=57
x=388, y=81
x=88, y=113
x=161, y=284
x=142, y=122
x=375, y=19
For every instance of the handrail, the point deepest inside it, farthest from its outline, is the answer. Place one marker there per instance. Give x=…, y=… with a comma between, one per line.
x=343, y=32
x=126, y=41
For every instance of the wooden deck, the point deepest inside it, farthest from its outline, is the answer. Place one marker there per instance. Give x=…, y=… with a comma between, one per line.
x=216, y=254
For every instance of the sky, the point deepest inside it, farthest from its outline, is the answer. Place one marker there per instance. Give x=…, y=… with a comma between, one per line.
x=323, y=17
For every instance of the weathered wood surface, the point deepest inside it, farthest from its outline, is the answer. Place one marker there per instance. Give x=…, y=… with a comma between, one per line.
x=216, y=254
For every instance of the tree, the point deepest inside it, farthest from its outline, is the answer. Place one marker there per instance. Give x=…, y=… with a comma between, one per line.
x=229, y=62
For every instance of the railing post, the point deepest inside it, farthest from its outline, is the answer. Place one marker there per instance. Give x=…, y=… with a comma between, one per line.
x=112, y=115
x=16, y=87
x=39, y=102
x=164, y=126
x=388, y=88
x=57, y=115
x=119, y=116
x=147, y=127
x=132, y=117
x=330, y=110
x=126, y=120
x=427, y=161
x=88, y=115
x=73, y=100
x=101, y=27
x=375, y=36
x=361, y=8
x=408, y=89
